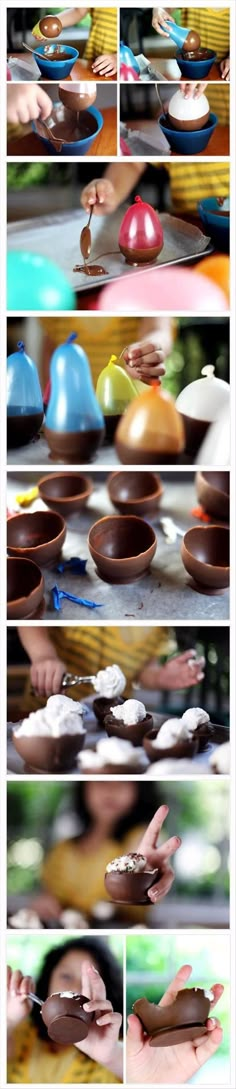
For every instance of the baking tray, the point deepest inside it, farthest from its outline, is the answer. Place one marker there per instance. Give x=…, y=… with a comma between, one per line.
x=58, y=236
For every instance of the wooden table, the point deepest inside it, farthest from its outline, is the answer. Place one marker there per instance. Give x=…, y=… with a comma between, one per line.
x=81, y=70
x=104, y=144
x=213, y=75
x=218, y=143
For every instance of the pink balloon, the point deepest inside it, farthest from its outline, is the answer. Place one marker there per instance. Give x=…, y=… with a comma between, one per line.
x=128, y=74
x=175, y=289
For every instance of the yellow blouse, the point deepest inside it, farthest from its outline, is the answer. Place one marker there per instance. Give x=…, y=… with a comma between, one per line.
x=213, y=25
x=36, y=1062
x=76, y=876
x=103, y=33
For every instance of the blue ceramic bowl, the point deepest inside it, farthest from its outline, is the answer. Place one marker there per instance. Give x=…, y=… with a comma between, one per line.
x=195, y=69
x=79, y=147
x=217, y=226
x=56, y=69
x=188, y=143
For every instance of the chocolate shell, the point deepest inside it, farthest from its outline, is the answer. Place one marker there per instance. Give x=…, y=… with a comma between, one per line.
x=131, y=888
x=50, y=754
x=183, y=749
x=205, y=555
x=184, y=1019
x=192, y=42
x=101, y=706
x=65, y=1018
x=135, y=732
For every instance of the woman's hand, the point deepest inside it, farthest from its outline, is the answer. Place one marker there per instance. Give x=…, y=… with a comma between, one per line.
x=18, y=1005
x=144, y=360
x=158, y=857
x=192, y=90
x=225, y=69
x=105, y=65
x=99, y=195
x=102, y=1042
x=170, y=1065
x=159, y=20
x=183, y=671
x=46, y=675
x=26, y=102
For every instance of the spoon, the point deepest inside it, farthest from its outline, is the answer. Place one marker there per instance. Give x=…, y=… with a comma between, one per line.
x=50, y=134
x=85, y=238
x=35, y=54
x=34, y=998
x=70, y=679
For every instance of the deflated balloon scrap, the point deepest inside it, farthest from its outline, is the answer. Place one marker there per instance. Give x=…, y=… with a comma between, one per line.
x=198, y=512
x=75, y=564
x=26, y=498
x=57, y=596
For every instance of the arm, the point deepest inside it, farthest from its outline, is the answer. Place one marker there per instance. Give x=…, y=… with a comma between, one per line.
x=159, y=20
x=47, y=669
x=182, y=671
x=105, y=194
x=18, y=1005
x=71, y=16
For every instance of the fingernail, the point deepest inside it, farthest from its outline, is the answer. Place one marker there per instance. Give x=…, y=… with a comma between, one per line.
x=93, y=969
x=200, y=676
x=178, y=840
x=212, y=1021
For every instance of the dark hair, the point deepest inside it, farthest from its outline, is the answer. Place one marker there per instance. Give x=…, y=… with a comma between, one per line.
x=141, y=812
x=107, y=964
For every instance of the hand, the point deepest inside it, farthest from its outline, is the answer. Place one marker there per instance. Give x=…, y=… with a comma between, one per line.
x=102, y=1042
x=159, y=20
x=36, y=33
x=170, y=1065
x=18, y=1005
x=46, y=676
x=184, y=671
x=192, y=90
x=105, y=65
x=144, y=360
x=26, y=102
x=225, y=69
x=157, y=857
x=46, y=906
x=101, y=195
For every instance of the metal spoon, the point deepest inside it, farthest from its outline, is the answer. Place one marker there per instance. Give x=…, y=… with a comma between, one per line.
x=86, y=239
x=35, y=54
x=34, y=998
x=71, y=679
x=49, y=130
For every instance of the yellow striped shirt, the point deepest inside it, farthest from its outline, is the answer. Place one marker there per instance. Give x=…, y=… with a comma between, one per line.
x=190, y=182
x=36, y=1061
x=103, y=33
x=99, y=337
x=213, y=25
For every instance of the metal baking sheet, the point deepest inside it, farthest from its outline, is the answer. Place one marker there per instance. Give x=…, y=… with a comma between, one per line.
x=58, y=236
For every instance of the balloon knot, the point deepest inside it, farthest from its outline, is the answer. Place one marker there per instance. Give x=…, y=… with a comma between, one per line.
x=20, y=345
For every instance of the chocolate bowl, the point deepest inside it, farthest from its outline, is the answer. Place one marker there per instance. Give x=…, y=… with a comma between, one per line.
x=205, y=555
x=131, y=888
x=65, y=492
x=25, y=589
x=135, y=732
x=66, y=1019
x=122, y=547
x=38, y=536
x=135, y=493
x=213, y=492
x=50, y=754
x=101, y=706
x=185, y=748
x=184, y=1019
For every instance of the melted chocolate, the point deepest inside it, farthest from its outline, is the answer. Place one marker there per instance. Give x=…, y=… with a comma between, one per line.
x=21, y=428
x=91, y=270
x=57, y=55
x=196, y=55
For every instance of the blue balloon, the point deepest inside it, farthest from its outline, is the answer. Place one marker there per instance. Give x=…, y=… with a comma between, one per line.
x=73, y=405
x=35, y=283
x=24, y=395
x=128, y=58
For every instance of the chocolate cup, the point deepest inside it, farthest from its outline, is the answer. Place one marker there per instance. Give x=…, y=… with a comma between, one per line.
x=143, y=456
x=140, y=256
x=192, y=42
x=73, y=446
x=111, y=423
x=74, y=100
x=183, y=749
x=38, y=536
x=131, y=888
x=66, y=1020
x=50, y=754
x=213, y=492
x=205, y=555
x=195, y=431
x=65, y=492
x=122, y=547
x=22, y=428
x=135, y=493
x=135, y=733
x=189, y=126
x=101, y=706
x=25, y=588
x=184, y=1019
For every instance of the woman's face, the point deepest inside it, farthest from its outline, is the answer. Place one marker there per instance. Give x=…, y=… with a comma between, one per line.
x=108, y=802
x=66, y=976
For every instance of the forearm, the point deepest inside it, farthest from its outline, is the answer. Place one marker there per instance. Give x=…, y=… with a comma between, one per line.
x=161, y=330
x=152, y=676
x=124, y=180
x=71, y=16
x=37, y=643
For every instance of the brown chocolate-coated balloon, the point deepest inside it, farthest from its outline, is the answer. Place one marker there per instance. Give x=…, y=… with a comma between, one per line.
x=65, y=1018
x=77, y=97
x=192, y=42
x=182, y=1020
x=50, y=26
x=151, y=430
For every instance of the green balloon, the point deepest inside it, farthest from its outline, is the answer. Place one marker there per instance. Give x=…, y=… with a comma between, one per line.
x=35, y=283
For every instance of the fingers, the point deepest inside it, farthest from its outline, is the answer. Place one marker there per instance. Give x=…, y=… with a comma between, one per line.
x=152, y=832
x=45, y=104
x=158, y=891
x=92, y=1006
x=97, y=194
x=92, y=984
x=176, y=984
x=208, y=1045
x=19, y=985
x=113, y=1019
x=218, y=990
x=134, y=1038
x=167, y=849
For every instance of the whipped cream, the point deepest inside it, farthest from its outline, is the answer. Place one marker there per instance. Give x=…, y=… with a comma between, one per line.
x=130, y=863
x=61, y=716
x=109, y=682
x=210, y=995
x=169, y=767
x=194, y=717
x=25, y=919
x=179, y=729
x=131, y=711
x=110, y=750
x=220, y=759
x=73, y=920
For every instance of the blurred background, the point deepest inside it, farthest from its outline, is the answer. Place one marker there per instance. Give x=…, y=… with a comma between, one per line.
x=26, y=951
x=152, y=963
x=20, y=23
x=196, y=341
x=51, y=849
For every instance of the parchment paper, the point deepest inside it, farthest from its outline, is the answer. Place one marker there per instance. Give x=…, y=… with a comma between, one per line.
x=57, y=236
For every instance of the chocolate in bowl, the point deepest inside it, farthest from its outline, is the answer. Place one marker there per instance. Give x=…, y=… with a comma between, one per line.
x=196, y=54
x=134, y=733
x=183, y=749
x=48, y=754
x=183, y=1019
x=66, y=1019
x=131, y=888
x=101, y=706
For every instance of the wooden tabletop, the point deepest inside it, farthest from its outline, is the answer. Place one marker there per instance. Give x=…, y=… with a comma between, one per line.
x=80, y=70
x=218, y=143
x=161, y=64
x=104, y=144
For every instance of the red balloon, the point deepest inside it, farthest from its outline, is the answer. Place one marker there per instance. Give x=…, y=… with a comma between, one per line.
x=171, y=289
x=128, y=75
x=140, y=235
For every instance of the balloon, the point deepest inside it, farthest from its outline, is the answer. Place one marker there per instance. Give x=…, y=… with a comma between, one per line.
x=128, y=74
x=35, y=283
x=174, y=289
x=140, y=236
x=127, y=58
x=114, y=388
x=217, y=269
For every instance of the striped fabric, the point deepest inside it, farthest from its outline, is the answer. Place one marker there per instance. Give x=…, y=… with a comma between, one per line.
x=76, y=876
x=190, y=182
x=218, y=98
x=213, y=25
x=35, y=1061
x=103, y=33
x=99, y=337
